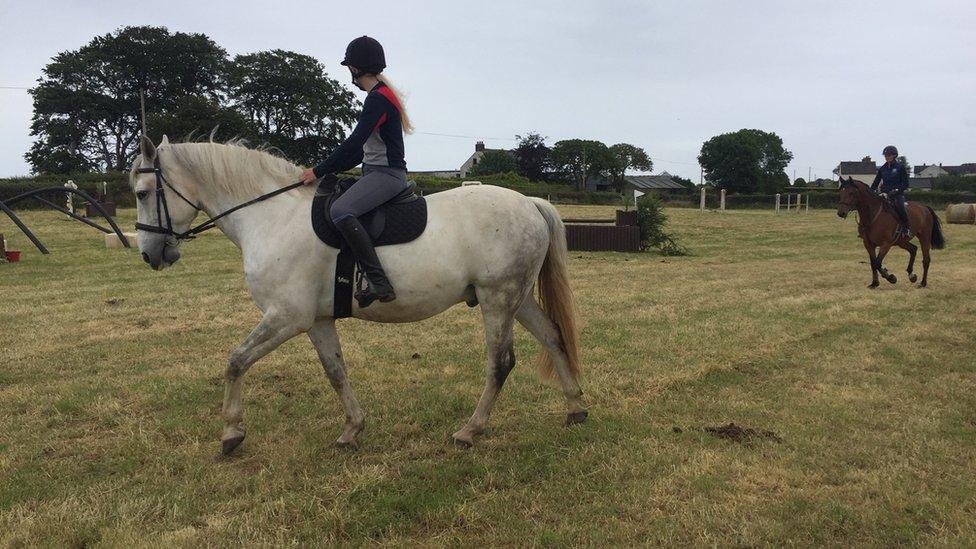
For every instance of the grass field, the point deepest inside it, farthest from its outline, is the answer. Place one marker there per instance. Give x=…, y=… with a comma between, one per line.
x=862, y=403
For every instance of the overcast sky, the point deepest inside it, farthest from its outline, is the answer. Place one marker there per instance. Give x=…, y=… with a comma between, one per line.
x=837, y=80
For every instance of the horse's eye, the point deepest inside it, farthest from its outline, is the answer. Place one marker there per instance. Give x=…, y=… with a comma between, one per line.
x=142, y=195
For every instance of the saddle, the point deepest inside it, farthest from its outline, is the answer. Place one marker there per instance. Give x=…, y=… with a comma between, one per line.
x=400, y=220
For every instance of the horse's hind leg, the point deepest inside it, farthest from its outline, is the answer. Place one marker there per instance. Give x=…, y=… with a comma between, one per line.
x=326, y=341
x=499, y=318
x=926, y=245
x=271, y=332
x=535, y=320
x=912, y=250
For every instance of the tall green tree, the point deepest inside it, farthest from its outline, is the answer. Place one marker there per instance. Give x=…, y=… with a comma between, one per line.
x=582, y=158
x=494, y=161
x=86, y=104
x=746, y=161
x=292, y=102
x=626, y=157
x=200, y=117
x=532, y=156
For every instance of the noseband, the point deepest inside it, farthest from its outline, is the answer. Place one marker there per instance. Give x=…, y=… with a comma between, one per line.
x=162, y=208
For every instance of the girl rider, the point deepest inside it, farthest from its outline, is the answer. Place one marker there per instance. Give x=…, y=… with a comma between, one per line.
x=377, y=143
x=893, y=179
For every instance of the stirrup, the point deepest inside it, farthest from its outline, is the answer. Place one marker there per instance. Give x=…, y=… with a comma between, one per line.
x=365, y=294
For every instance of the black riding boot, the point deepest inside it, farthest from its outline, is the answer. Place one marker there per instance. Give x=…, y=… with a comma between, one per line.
x=904, y=230
x=378, y=286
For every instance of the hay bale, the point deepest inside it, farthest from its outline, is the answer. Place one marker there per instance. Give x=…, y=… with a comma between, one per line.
x=112, y=240
x=961, y=213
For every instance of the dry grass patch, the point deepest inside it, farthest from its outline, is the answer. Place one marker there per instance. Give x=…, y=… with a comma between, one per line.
x=110, y=388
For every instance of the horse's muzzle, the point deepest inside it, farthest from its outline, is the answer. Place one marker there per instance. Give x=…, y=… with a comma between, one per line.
x=158, y=262
x=841, y=214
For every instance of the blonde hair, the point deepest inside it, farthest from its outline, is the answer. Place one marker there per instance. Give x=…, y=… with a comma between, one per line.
x=404, y=118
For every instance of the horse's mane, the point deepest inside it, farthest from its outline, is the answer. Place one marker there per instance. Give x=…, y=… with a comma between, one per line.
x=232, y=167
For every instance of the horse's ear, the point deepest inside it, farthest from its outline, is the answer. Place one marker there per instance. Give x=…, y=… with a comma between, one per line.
x=165, y=140
x=147, y=148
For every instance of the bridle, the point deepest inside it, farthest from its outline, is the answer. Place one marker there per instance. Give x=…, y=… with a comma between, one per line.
x=162, y=208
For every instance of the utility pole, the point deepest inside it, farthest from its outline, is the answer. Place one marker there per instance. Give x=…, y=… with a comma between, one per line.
x=809, y=171
x=142, y=108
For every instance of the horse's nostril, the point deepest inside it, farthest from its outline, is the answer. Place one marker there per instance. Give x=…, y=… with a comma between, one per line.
x=145, y=257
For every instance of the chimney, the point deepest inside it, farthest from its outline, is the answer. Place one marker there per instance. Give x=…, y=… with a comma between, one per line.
x=479, y=146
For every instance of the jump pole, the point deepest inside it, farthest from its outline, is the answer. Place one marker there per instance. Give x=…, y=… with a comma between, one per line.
x=776, y=209
x=722, y=201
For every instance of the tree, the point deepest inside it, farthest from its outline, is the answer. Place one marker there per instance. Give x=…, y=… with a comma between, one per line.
x=195, y=115
x=627, y=157
x=799, y=182
x=293, y=103
x=746, y=161
x=86, y=104
x=582, y=158
x=684, y=181
x=494, y=161
x=532, y=156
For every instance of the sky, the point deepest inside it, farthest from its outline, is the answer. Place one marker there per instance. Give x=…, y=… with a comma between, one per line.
x=837, y=80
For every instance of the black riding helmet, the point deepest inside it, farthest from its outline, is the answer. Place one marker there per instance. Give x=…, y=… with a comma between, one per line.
x=366, y=54
x=890, y=149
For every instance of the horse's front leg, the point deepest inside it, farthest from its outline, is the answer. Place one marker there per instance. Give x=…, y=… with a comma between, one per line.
x=326, y=341
x=874, y=263
x=882, y=252
x=272, y=331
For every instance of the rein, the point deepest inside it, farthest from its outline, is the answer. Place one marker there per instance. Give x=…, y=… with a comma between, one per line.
x=163, y=208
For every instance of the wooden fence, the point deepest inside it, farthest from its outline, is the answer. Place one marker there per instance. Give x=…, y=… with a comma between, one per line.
x=597, y=235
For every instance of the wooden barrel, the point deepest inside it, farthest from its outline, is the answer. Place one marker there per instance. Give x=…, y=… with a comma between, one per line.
x=961, y=213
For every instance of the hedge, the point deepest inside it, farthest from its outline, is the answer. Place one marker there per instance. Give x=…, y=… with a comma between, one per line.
x=120, y=193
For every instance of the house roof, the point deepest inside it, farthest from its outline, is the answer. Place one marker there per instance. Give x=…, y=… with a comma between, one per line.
x=962, y=169
x=660, y=181
x=858, y=167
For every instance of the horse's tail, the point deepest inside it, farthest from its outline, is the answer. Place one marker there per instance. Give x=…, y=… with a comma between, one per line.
x=555, y=293
x=938, y=239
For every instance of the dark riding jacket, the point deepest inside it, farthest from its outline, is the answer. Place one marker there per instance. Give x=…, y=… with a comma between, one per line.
x=893, y=179
x=376, y=140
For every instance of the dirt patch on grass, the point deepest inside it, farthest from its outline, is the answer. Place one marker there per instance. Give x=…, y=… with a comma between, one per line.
x=741, y=434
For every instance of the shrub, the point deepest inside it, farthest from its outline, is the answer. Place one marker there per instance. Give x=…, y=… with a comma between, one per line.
x=651, y=220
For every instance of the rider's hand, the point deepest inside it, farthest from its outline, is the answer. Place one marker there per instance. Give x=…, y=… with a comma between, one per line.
x=308, y=176
x=884, y=195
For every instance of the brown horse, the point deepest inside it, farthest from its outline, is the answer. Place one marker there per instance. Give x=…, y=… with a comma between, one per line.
x=878, y=223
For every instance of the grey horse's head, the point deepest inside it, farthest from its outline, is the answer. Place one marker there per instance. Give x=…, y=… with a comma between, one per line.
x=160, y=250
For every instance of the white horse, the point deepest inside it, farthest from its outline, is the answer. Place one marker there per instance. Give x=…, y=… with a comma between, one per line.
x=482, y=243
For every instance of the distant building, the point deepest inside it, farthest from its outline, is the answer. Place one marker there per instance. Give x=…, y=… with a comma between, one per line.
x=933, y=170
x=920, y=183
x=462, y=172
x=863, y=171
x=636, y=185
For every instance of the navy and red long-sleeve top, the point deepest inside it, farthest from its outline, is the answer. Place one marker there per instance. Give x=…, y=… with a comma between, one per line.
x=376, y=140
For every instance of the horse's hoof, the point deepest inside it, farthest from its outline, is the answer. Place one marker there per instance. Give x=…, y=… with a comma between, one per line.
x=912, y=277
x=575, y=418
x=463, y=441
x=348, y=445
x=892, y=279
x=872, y=285
x=228, y=446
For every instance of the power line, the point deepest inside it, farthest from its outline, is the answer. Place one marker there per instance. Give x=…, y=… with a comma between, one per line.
x=467, y=136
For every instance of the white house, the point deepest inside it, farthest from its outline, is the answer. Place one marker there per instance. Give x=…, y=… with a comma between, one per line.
x=863, y=171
